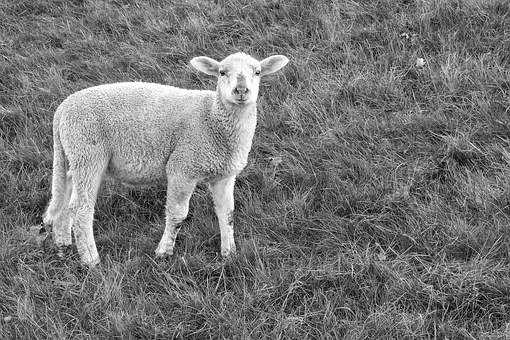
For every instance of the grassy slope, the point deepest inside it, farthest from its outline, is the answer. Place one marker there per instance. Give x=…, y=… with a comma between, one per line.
x=377, y=198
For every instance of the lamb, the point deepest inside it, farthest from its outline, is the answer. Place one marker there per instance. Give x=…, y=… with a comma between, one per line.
x=146, y=133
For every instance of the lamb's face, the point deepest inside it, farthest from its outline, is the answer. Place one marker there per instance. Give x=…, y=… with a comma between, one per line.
x=239, y=79
x=239, y=75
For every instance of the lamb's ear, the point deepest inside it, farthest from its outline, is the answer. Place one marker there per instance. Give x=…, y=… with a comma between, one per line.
x=206, y=65
x=272, y=64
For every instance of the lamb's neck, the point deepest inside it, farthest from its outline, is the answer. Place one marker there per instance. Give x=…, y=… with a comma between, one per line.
x=238, y=121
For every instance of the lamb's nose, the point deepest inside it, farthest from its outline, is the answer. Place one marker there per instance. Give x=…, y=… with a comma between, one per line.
x=241, y=90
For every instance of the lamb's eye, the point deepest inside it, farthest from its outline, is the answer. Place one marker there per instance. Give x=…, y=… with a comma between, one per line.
x=257, y=73
x=222, y=72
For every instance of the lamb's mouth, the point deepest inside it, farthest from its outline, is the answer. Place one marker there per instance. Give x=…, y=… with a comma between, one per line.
x=241, y=100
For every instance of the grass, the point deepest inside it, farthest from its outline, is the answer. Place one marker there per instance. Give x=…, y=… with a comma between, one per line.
x=376, y=202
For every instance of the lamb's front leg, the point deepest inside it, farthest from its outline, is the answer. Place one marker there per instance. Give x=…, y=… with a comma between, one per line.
x=179, y=192
x=223, y=196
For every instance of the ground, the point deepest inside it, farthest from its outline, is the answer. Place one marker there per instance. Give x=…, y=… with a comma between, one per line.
x=376, y=201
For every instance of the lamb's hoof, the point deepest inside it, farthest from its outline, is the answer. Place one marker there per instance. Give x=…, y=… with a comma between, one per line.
x=91, y=263
x=228, y=255
x=163, y=255
x=63, y=251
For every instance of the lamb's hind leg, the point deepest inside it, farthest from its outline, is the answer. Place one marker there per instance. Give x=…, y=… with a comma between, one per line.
x=62, y=226
x=58, y=182
x=57, y=214
x=86, y=180
x=177, y=203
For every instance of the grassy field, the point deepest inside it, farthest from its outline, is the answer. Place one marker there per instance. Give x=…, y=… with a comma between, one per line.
x=376, y=202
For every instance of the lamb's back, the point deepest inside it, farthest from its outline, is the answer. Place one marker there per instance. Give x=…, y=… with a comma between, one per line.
x=138, y=124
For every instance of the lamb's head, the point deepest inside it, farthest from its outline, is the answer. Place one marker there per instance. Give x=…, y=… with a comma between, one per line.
x=239, y=75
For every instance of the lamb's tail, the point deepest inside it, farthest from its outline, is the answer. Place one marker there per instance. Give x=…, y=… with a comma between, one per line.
x=58, y=182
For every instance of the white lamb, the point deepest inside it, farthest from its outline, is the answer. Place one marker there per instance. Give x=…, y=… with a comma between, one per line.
x=144, y=133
